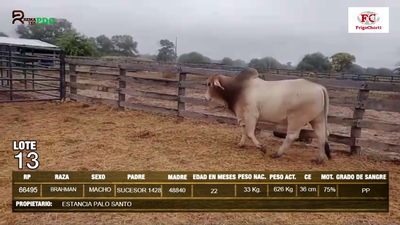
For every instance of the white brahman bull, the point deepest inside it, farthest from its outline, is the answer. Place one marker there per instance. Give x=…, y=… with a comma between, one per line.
x=294, y=103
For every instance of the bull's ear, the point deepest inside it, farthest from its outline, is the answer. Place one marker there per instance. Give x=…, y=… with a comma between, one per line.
x=218, y=84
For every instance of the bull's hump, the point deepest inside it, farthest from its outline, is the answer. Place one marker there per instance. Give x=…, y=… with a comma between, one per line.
x=246, y=74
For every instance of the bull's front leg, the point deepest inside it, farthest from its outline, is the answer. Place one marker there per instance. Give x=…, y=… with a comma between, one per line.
x=242, y=141
x=251, y=122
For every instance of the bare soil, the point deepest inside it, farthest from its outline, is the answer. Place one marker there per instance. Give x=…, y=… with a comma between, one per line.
x=80, y=137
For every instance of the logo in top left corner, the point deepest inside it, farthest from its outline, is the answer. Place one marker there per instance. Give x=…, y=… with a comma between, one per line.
x=18, y=15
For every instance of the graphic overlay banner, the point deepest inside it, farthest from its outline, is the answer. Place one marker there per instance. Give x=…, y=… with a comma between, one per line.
x=137, y=191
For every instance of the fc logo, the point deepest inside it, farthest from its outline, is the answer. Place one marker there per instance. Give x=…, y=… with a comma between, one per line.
x=19, y=14
x=368, y=18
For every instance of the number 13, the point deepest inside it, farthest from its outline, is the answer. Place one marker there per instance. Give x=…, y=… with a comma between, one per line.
x=28, y=164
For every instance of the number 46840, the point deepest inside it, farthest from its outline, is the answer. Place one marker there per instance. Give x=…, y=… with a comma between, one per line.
x=34, y=162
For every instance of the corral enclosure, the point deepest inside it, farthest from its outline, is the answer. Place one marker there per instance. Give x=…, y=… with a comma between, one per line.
x=30, y=70
x=80, y=136
x=364, y=112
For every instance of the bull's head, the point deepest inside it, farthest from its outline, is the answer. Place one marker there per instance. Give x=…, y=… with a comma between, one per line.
x=213, y=87
x=220, y=87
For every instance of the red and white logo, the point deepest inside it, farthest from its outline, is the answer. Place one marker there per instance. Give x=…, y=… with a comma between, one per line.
x=368, y=20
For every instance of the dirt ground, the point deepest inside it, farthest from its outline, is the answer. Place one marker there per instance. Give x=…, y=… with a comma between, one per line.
x=79, y=137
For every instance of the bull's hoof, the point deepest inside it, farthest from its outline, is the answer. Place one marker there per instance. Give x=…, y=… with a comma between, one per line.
x=276, y=155
x=263, y=149
x=318, y=161
x=240, y=145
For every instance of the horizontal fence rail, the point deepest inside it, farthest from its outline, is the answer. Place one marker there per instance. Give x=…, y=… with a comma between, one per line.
x=182, y=86
x=115, y=62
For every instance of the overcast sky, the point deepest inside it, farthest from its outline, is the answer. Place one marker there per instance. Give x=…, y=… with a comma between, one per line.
x=245, y=29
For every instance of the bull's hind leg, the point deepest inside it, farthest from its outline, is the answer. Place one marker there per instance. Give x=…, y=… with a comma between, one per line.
x=318, y=125
x=291, y=136
x=293, y=130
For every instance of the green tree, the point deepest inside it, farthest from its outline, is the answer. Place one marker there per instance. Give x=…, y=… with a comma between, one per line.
x=356, y=69
x=385, y=71
x=239, y=63
x=2, y=34
x=316, y=62
x=124, y=45
x=289, y=66
x=45, y=32
x=193, y=57
x=379, y=71
x=76, y=44
x=261, y=65
x=271, y=62
x=258, y=65
x=227, y=61
x=104, y=44
x=371, y=70
x=167, y=51
x=342, y=61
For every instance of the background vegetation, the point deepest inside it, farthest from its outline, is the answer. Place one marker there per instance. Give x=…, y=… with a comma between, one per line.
x=63, y=34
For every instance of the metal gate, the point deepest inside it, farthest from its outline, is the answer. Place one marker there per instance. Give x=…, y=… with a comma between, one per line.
x=31, y=73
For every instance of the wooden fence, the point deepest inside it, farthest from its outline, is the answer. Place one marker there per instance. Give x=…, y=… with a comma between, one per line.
x=359, y=104
x=114, y=62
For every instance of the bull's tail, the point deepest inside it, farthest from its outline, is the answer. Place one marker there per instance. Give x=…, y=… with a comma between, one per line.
x=326, y=112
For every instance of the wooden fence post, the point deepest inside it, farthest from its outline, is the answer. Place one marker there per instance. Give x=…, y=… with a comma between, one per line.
x=33, y=71
x=181, y=92
x=1, y=65
x=10, y=72
x=72, y=79
x=358, y=114
x=25, y=81
x=121, y=85
x=63, y=86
